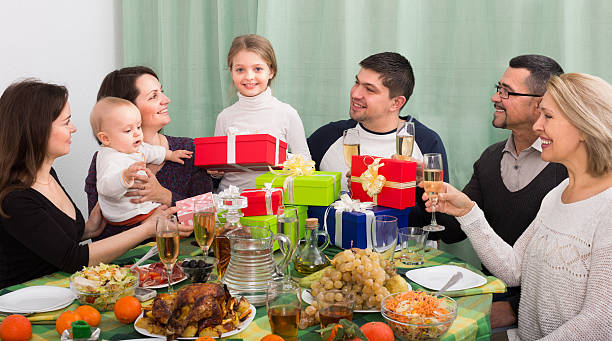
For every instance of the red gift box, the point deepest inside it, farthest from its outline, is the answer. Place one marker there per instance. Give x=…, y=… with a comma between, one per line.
x=236, y=153
x=259, y=204
x=399, y=185
x=185, y=206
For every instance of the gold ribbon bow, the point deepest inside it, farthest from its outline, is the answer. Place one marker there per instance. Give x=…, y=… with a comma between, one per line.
x=297, y=165
x=371, y=182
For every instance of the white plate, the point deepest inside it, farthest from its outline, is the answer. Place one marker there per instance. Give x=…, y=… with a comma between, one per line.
x=41, y=298
x=242, y=326
x=435, y=277
x=159, y=286
x=308, y=298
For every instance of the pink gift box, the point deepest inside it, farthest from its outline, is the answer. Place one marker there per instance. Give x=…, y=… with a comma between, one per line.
x=185, y=206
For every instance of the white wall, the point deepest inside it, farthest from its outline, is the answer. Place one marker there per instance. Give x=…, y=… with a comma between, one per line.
x=70, y=42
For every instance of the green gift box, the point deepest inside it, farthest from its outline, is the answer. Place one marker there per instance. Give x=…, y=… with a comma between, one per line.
x=320, y=189
x=271, y=219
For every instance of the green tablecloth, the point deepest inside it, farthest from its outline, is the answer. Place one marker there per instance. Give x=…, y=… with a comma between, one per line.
x=472, y=321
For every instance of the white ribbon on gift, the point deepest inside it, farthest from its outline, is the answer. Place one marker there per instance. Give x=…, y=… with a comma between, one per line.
x=346, y=204
x=232, y=132
x=268, y=189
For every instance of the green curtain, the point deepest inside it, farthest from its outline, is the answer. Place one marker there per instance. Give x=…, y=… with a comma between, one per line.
x=458, y=50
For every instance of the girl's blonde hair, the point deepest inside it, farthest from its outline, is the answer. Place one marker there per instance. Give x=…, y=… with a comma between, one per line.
x=586, y=101
x=254, y=43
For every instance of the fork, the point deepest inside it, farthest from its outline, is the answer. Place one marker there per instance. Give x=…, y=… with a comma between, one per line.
x=152, y=252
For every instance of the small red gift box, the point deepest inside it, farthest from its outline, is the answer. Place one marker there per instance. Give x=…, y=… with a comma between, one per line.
x=185, y=206
x=262, y=201
x=398, y=181
x=237, y=153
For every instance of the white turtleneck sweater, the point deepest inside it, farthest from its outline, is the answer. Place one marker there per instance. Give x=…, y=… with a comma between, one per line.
x=563, y=262
x=262, y=114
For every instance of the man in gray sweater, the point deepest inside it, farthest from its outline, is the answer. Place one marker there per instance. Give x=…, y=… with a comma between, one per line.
x=510, y=179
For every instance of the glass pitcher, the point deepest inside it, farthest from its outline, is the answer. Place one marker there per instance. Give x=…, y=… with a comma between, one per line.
x=252, y=264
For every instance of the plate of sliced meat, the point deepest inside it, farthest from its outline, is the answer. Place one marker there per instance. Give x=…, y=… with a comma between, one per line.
x=154, y=276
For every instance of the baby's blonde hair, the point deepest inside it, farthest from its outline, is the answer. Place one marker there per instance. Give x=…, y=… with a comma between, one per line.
x=101, y=110
x=254, y=43
x=586, y=101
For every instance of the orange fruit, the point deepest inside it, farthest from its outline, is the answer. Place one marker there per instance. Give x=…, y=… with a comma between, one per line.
x=65, y=319
x=378, y=331
x=205, y=338
x=15, y=328
x=333, y=332
x=272, y=337
x=89, y=314
x=127, y=309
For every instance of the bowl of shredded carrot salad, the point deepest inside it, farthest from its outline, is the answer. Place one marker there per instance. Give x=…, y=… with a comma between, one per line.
x=417, y=315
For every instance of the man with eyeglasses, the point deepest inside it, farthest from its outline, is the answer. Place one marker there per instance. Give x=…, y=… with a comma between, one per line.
x=510, y=179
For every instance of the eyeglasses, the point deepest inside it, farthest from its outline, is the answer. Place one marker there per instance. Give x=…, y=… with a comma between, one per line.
x=505, y=94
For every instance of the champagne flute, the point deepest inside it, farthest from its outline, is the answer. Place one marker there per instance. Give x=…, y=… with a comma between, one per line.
x=350, y=139
x=167, y=236
x=404, y=139
x=433, y=182
x=204, y=224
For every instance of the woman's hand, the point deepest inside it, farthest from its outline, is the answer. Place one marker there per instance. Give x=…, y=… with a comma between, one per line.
x=450, y=201
x=215, y=174
x=95, y=224
x=148, y=189
x=164, y=211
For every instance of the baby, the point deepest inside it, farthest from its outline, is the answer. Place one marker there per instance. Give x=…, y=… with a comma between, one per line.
x=123, y=155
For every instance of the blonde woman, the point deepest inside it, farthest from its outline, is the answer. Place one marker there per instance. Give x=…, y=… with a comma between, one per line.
x=563, y=261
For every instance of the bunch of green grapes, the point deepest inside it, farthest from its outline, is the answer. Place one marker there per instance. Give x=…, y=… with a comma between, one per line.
x=361, y=272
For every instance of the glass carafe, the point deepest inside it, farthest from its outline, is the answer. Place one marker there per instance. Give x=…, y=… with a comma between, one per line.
x=231, y=202
x=251, y=265
x=309, y=257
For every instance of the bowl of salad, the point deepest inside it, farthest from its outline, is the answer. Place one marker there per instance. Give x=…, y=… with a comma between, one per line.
x=417, y=315
x=102, y=285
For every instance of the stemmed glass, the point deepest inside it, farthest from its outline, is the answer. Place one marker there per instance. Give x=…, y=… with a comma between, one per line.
x=287, y=223
x=167, y=236
x=433, y=182
x=384, y=236
x=350, y=139
x=204, y=224
x=404, y=139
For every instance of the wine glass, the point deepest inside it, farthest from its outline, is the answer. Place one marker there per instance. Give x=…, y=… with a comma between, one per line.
x=287, y=223
x=404, y=139
x=167, y=236
x=384, y=236
x=433, y=182
x=284, y=305
x=204, y=224
x=350, y=139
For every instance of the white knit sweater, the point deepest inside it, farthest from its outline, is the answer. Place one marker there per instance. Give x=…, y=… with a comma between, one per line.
x=263, y=114
x=563, y=262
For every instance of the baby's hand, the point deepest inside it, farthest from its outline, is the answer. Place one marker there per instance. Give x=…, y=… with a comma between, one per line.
x=130, y=173
x=177, y=155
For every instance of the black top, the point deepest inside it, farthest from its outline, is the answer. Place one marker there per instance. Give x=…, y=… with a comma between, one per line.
x=38, y=239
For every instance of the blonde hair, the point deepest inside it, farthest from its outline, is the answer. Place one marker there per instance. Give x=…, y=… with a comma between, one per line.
x=254, y=43
x=101, y=110
x=586, y=101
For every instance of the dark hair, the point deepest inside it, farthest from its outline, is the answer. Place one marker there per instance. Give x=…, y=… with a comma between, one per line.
x=541, y=68
x=122, y=83
x=395, y=71
x=27, y=111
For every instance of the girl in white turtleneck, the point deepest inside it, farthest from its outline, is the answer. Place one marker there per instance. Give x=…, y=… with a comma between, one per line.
x=252, y=64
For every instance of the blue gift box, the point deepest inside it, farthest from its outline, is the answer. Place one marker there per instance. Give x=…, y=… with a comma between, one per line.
x=354, y=223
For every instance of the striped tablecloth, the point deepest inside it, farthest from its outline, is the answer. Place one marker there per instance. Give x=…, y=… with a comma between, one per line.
x=472, y=321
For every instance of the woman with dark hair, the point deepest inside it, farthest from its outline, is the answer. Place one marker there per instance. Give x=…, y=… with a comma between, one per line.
x=40, y=226
x=165, y=183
